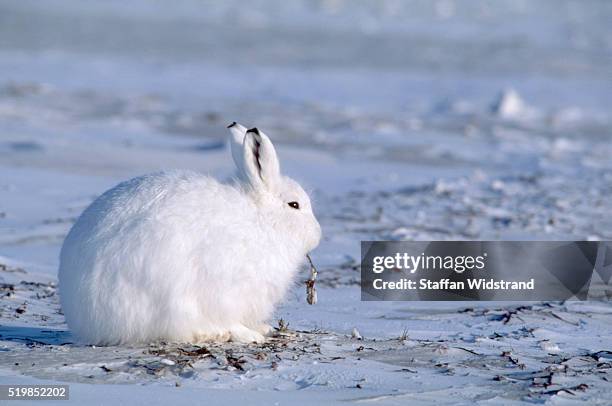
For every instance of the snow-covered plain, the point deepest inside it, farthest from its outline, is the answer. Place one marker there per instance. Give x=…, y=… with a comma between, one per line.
x=406, y=120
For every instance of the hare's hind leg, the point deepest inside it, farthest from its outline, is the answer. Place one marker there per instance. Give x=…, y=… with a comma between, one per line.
x=208, y=337
x=242, y=334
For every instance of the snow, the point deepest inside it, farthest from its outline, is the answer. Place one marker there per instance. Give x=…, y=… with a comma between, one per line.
x=509, y=105
x=496, y=125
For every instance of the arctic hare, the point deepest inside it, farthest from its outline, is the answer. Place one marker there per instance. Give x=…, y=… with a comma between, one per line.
x=178, y=256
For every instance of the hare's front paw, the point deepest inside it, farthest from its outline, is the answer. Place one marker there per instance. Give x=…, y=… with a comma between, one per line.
x=263, y=329
x=242, y=334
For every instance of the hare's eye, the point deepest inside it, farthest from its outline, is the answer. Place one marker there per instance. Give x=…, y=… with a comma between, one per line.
x=294, y=205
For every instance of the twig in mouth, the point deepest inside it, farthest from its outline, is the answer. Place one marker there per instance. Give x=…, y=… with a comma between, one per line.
x=311, y=291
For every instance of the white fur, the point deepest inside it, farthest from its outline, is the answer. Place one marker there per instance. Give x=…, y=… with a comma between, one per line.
x=178, y=256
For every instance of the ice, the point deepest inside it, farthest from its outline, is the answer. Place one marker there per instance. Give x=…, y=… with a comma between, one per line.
x=509, y=105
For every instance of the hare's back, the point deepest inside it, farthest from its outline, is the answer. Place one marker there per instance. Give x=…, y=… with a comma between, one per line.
x=159, y=205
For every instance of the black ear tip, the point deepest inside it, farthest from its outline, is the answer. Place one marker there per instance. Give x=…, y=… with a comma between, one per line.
x=254, y=130
x=232, y=124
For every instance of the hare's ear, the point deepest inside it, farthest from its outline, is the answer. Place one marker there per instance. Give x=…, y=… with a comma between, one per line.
x=236, y=141
x=260, y=161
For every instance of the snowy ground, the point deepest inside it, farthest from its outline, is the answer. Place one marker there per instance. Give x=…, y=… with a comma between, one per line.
x=416, y=120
